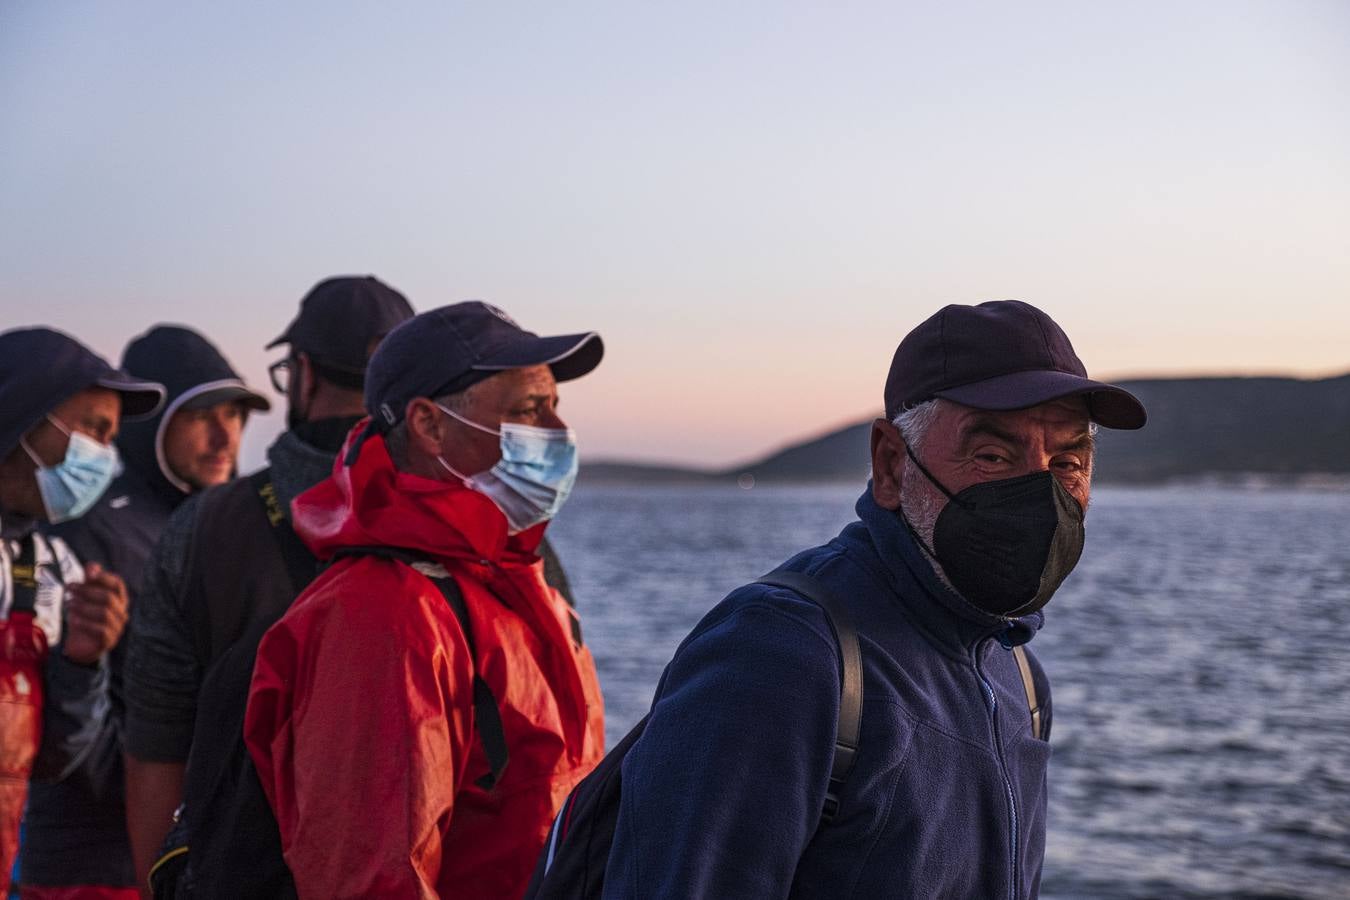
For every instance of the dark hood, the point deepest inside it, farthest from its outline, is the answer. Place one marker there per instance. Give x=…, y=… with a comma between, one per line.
x=193, y=373
x=40, y=368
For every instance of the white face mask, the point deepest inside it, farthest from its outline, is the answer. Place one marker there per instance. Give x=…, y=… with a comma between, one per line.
x=70, y=488
x=533, y=478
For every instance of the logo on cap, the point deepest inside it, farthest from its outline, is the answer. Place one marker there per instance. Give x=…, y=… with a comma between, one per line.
x=496, y=311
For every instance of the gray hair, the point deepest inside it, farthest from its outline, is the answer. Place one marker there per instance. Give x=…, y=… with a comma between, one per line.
x=396, y=440
x=914, y=422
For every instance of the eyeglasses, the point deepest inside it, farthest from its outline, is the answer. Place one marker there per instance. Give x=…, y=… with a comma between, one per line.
x=280, y=373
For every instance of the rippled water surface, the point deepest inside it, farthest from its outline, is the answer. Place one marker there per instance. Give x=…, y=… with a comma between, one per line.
x=1199, y=655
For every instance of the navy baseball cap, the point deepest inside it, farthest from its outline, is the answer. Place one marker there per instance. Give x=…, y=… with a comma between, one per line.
x=341, y=320
x=41, y=367
x=1000, y=355
x=449, y=349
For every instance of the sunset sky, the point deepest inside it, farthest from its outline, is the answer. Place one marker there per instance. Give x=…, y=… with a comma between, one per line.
x=751, y=202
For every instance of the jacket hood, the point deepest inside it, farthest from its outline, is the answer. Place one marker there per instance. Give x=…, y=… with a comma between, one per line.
x=41, y=367
x=940, y=610
x=370, y=503
x=194, y=373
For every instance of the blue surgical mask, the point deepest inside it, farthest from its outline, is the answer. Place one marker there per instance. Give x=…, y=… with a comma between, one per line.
x=531, y=481
x=70, y=488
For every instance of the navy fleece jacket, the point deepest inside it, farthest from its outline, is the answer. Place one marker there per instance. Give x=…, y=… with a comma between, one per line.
x=723, y=792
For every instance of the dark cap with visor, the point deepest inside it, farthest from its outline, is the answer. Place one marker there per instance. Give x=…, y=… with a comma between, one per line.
x=449, y=349
x=1000, y=355
x=40, y=368
x=342, y=319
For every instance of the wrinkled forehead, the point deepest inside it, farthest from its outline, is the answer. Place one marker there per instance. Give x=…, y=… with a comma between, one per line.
x=1067, y=416
x=1069, y=408
x=515, y=385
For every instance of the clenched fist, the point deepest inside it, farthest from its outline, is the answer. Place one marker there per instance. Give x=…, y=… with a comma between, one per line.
x=96, y=613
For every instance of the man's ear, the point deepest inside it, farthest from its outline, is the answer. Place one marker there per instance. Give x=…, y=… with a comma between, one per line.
x=888, y=458
x=426, y=426
x=303, y=375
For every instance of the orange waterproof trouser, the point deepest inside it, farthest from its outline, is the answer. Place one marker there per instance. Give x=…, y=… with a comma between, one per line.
x=23, y=649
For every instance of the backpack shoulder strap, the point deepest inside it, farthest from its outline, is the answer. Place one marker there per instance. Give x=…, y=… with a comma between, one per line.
x=556, y=577
x=847, y=732
x=1029, y=685
x=24, y=575
x=487, y=714
x=301, y=565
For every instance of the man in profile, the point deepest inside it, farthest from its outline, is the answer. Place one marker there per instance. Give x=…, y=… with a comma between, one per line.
x=75, y=828
x=418, y=715
x=981, y=473
x=60, y=408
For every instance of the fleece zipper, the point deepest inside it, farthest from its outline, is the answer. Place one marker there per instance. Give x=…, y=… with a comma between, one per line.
x=1002, y=769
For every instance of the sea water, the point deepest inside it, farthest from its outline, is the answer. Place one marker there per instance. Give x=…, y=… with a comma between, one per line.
x=1199, y=658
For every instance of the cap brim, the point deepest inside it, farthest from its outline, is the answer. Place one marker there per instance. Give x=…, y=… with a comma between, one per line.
x=140, y=399
x=240, y=393
x=1108, y=405
x=568, y=355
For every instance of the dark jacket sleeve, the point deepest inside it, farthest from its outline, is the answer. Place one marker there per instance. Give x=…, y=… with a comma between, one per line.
x=725, y=787
x=74, y=713
x=75, y=702
x=163, y=674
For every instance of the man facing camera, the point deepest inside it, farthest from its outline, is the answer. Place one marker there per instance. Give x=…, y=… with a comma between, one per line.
x=981, y=473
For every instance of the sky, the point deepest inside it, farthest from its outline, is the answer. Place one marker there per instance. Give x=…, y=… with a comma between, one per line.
x=752, y=202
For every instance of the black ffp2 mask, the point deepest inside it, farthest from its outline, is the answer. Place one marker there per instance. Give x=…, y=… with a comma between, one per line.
x=1007, y=545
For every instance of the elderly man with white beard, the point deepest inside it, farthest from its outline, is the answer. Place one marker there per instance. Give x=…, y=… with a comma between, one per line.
x=981, y=473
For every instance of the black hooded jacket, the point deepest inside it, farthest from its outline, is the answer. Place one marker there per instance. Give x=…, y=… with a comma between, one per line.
x=76, y=827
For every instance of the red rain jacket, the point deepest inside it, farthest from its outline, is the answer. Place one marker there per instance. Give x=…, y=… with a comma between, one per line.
x=360, y=715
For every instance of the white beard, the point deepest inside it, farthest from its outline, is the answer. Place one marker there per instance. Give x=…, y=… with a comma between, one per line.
x=921, y=503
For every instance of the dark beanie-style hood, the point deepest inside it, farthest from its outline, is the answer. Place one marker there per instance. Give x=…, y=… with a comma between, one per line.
x=195, y=375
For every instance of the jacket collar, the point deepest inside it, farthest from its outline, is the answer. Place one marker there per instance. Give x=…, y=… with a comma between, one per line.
x=372, y=503
x=947, y=618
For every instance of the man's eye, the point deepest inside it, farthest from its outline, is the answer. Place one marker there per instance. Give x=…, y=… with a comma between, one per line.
x=1068, y=465
x=991, y=458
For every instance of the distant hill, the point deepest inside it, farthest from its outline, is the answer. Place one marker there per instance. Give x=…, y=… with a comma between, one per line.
x=1197, y=427
x=1229, y=426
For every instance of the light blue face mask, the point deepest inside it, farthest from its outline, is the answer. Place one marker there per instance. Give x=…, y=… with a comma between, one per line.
x=70, y=488
x=531, y=481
